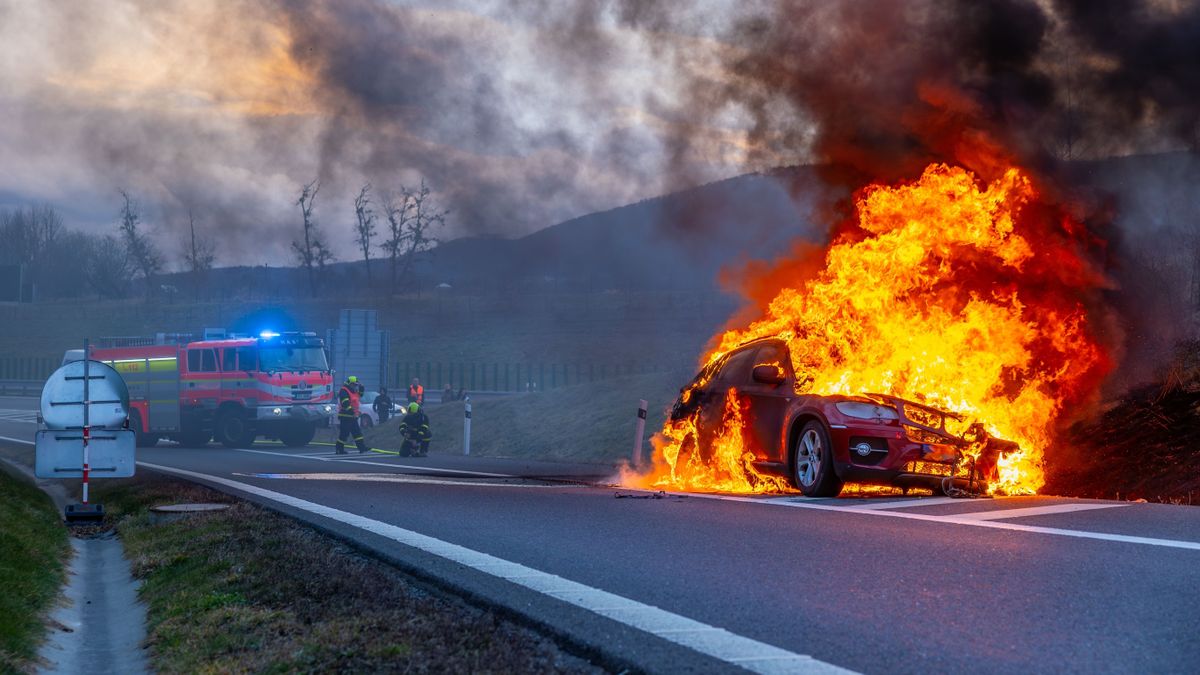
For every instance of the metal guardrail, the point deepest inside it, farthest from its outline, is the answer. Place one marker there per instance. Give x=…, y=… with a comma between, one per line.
x=21, y=387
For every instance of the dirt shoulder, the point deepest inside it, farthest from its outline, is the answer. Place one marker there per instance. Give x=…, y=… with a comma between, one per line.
x=33, y=552
x=246, y=589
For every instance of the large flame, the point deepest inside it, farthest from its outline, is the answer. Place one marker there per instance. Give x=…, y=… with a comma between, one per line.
x=961, y=295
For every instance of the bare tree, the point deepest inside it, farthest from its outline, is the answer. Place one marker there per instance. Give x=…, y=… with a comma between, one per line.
x=107, y=266
x=364, y=226
x=411, y=224
x=199, y=254
x=28, y=233
x=399, y=212
x=142, y=254
x=312, y=251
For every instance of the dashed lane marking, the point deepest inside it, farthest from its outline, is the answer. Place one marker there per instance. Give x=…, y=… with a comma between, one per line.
x=398, y=478
x=15, y=415
x=718, y=643
x=431, y=469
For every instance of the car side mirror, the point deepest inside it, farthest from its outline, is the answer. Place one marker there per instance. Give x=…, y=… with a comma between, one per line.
x=769, y=374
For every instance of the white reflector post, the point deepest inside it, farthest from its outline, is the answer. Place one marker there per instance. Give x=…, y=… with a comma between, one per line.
x=639, y=438
x=467, y=429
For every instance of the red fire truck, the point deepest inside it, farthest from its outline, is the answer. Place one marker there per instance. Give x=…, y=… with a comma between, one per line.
x=233, y=390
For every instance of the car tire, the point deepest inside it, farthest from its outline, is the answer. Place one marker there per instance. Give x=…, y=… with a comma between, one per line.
x=140, y=438
x=233, y=429
x=298, y=435
x=685, y=461
x=812, y=463
x=365, y=422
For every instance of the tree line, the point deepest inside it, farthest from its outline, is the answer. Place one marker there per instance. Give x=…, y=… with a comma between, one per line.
x=126, y=261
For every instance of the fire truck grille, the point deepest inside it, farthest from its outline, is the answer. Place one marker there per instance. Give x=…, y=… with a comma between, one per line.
x=301, y=394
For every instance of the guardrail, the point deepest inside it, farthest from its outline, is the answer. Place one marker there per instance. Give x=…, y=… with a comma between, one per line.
x=21, y=387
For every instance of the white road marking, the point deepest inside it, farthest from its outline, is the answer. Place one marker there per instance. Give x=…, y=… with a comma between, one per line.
x=17, y=415
x=389, y=465
x=1032, y=511
x=954, y=520
x=396, y=478
x=901, y=504
x=716, y=642
x=16, y=440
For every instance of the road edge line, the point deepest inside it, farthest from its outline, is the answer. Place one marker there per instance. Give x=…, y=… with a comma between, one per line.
x=727, y=647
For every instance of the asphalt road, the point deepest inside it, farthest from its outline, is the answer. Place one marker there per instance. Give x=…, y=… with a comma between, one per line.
x=771, y=584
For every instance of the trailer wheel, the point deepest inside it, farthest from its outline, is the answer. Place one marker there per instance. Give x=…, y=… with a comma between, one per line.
x=233, y=430
x=298, y=435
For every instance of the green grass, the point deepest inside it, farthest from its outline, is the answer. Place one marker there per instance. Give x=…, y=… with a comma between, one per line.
x=33, y=550
x=247, y=590
x=587, y=422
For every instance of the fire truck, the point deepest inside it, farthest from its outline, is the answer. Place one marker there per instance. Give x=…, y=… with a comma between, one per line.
x=232, y=390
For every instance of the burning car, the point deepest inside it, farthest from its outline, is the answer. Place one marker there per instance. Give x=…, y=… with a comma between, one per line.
x=820, y=442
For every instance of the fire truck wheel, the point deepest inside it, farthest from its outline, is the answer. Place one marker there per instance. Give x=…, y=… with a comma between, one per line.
x=194, y=438
x=233, y=430
x=812, y=463
x=298, y=436
x=140, y=439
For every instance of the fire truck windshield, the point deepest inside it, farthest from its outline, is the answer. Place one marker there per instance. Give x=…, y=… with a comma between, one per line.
x=292, y=358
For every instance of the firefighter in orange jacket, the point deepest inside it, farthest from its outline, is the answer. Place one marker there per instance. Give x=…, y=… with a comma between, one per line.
x=348, y=416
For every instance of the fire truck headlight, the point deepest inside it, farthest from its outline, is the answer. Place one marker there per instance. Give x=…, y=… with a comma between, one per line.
x=277, y=411
x=328, y=408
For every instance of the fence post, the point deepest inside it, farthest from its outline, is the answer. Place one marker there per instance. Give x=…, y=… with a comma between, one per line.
x=467, y=429
x=639, y=438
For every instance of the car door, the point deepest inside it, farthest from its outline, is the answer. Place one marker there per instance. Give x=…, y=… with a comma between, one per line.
x=734, y=374
x=768, y=404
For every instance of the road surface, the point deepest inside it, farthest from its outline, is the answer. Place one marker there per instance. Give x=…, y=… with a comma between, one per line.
x=768, y=584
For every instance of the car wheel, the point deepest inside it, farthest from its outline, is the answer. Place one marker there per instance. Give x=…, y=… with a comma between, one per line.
x=233, y=430
x=298, y=435
x=812, y=463
x=685, y=461
x=365, y=422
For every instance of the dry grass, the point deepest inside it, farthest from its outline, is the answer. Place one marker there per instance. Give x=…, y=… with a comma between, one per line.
x=586, y=422
x=247, y=590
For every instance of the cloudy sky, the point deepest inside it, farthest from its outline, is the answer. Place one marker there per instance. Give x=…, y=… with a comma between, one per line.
x=518, y=115
x=521, y=114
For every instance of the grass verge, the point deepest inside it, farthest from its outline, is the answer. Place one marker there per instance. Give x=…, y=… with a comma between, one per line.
x=248, y=590
x=33, y=552
x=586, y=422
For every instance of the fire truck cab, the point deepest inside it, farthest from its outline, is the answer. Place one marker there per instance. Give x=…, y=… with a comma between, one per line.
x=233, y=390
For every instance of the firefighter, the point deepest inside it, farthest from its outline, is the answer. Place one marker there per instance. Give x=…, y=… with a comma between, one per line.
x=348, y=416
x=414, y=427
x=383, y=405
x=416, y=393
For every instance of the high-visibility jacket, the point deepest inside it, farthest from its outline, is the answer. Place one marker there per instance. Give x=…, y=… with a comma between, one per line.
x=416, y=394
x=348, y=401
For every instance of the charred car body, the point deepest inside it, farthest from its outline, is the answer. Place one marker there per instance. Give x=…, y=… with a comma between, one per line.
x=821, y=442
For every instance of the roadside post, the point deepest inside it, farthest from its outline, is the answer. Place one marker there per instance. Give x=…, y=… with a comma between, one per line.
x=84, y=406
x=467, y=428
x=639, y=438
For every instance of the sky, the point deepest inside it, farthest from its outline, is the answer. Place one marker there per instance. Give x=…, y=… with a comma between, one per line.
x=522, y=114
x=517, y=115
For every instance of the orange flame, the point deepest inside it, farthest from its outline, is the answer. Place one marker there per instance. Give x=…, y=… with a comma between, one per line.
x=963, y=296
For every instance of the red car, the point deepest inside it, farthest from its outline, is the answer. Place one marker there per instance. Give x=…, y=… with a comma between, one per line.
x=821, y=442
